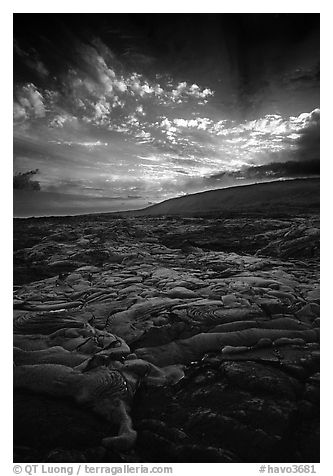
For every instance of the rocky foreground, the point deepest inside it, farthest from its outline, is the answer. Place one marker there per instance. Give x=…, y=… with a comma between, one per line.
x=187, y=339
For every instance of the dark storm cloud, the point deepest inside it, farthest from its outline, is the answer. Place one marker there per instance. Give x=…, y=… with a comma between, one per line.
x=271, y=170
x=308, y=145
x=23, y=181
x=248, y=175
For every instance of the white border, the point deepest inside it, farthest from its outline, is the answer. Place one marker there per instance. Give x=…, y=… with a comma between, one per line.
x=171, y=6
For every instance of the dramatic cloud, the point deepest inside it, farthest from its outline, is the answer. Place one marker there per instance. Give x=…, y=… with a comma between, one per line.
x=22, y=181
x=273, y=170
x=110, y=112
x=308, y=143
x=29, y=103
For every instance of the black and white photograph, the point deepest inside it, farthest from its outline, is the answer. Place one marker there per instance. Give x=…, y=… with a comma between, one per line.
x=166, y=239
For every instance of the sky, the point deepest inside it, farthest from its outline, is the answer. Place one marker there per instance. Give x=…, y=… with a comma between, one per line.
x=118, y=111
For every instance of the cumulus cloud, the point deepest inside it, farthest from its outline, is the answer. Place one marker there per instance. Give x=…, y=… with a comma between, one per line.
x=202, y=123
x=253, y=150
x=308, y=142
x=99, y=84
x=98, y=90
x=184, y=91
x=61, y=119
x=140, y=110
x=29, y=103
x=19, y=113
